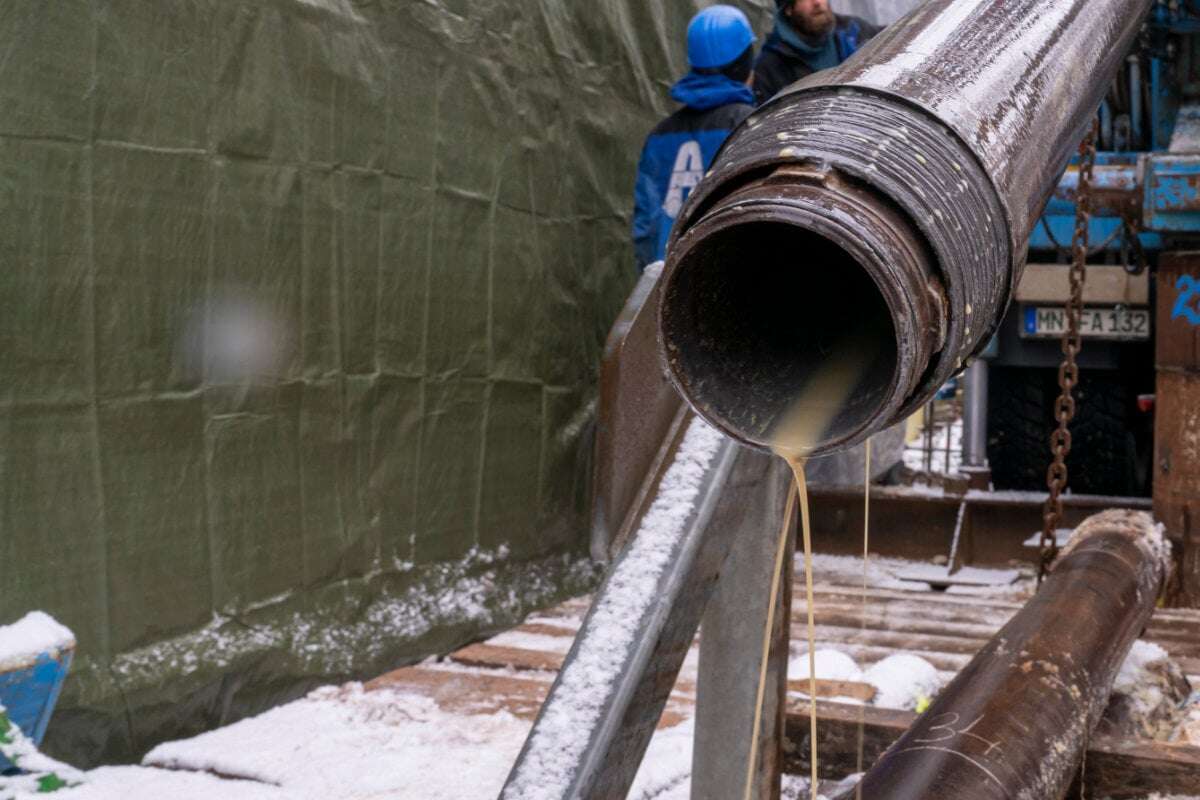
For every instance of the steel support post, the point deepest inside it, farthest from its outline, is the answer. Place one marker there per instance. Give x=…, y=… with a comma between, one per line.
x=975, y=413
x=731, y=639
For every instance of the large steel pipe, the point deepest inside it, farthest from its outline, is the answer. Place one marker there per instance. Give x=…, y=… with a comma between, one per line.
x=875, y=215
x=1014, y=722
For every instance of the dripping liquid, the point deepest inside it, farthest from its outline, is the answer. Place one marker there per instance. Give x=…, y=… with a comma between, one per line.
x=862, y=711
x=799, y=431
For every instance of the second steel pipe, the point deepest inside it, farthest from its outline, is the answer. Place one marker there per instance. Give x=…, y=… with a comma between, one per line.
x=879, y=211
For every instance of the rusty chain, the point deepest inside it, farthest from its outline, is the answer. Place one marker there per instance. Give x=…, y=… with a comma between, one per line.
x=1068, y=371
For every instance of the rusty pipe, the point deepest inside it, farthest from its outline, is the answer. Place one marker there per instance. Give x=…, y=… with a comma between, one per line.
x=1014, y=722
x=880, y=209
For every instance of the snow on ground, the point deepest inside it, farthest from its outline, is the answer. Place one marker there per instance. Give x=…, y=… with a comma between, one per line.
x=903, y=681
x=883, y=573
x=355, y=744
x=349, y=743
x=142, y=783
x=1134, y=670
x=848, y=571
x=31, y=636
x=453, y=593
x=900, y=681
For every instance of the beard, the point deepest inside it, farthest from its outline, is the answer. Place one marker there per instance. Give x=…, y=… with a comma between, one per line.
x=815, y=24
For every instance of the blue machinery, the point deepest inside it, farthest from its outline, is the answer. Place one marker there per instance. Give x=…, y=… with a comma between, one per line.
x=1146, y=196
x=1145, y=201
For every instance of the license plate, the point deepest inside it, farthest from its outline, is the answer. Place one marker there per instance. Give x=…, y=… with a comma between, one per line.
x=1111, y=322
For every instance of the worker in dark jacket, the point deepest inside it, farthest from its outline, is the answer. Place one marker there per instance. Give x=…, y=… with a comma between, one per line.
x=715, y=98
x=807, y=37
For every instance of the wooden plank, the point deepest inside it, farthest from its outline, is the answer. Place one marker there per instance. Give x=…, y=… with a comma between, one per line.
x=848, y=598
x=1167, y=625
x=468, y=692
x=1117, y=768
x=474, y=692
x=499, y=657
x=544, y=629
x=831, y=688
x=1177, y=336
x=1128, y=768
x=1177, y=476
x=1177, y=417
x=899, y=641
x=844, y=732
x=869, y=654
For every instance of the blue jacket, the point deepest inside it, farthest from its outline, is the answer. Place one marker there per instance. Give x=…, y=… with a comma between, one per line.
x=678, y=152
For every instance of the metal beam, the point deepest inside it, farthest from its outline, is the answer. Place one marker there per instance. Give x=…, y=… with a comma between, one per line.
x=730, y=641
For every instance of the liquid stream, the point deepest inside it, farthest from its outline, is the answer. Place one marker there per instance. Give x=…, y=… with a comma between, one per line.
x=799, y=432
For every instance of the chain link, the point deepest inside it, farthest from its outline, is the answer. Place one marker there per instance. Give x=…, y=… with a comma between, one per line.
x=1068, y=372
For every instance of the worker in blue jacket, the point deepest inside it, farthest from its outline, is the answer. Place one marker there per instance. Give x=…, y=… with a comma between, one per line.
x=715, y=98
x=807, y=37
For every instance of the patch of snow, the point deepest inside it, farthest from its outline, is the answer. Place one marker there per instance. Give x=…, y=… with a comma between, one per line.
x=628, y=597
x=666, y=771
x=20, y=751
x=1134, y=672
x=832, y=665
x=469, y=591
x=346, y=742
x=142, y=783
x=902, y=680
x=29, y=637
x=342, y=742
x=848, y=571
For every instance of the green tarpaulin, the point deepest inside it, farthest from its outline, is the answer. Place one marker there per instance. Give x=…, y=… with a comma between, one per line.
x=301, y=307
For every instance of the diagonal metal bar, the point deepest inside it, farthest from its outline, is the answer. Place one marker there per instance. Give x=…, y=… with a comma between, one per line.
x=592, y=732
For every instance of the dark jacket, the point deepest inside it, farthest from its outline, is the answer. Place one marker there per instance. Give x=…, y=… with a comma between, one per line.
x=678, y=152
x=780, y=64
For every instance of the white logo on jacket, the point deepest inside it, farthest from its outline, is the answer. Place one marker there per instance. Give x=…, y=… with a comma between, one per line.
x=689, y=169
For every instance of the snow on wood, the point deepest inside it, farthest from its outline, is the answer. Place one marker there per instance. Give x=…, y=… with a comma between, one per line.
x=832, y=665
x=34, y=634
x=446, y=730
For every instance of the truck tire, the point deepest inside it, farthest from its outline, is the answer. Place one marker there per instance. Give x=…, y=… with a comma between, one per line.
x=1104, y=456
x=1018, y=427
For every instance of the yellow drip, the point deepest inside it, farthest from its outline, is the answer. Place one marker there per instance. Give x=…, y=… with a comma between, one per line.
x=802, y=490
x=797, y=433
x=862, y=711
x=773, y=600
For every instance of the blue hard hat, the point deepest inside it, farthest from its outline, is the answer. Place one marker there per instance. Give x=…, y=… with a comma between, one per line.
x=717, y=36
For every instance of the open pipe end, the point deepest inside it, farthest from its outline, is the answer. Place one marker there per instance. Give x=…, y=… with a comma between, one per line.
x=797, y=317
